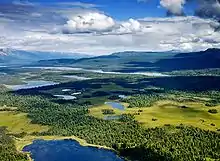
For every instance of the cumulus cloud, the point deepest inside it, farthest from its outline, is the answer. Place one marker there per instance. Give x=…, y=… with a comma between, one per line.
x=95, y=22
x=173, y=6
x=93, y=32
x=149, y=34
x=88, y=22
x=129, y=26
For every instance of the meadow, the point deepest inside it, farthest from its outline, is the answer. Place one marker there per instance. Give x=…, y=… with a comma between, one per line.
x=17, y=122
x=168, y=112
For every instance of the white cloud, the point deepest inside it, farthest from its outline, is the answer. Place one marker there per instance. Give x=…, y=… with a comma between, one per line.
x=92, y=32
x=88, y=22
x=173, y=6
x=129, y=26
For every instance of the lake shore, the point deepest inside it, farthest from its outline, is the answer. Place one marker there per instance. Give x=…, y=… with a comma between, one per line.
x=27, y=140
x=20, y=143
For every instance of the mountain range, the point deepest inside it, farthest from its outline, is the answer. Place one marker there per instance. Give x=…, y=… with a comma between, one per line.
x=132, y=61
x=11, y=56
x=128, y=61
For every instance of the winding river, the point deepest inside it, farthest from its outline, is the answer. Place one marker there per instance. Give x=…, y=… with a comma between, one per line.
x=151, y=74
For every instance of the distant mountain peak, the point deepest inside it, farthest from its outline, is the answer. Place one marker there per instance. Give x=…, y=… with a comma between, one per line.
x=13, y=56
x=213, y=50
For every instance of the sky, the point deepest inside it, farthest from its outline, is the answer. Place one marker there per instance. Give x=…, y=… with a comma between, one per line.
x=99, y=27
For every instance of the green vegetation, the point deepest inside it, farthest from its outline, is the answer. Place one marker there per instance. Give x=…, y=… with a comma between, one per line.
x=213, y=111
x=142, y=100
x=126, y=136
x=169, y=112
x=108, y=112
x=156, y=124
x=17, y=122
x=8, y=150
x=201, y=72
x=175, y=143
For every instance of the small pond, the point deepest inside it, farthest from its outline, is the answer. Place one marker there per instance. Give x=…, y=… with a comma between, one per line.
x=68, y=150
x=122, y=96
x=116, y=105
x=76, y=77
x=66, y=97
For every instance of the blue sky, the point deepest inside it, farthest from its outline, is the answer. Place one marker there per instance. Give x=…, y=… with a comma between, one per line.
x=100, y=27
x=124, y=9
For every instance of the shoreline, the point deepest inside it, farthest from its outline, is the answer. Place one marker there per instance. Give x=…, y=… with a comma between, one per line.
x=20, y=143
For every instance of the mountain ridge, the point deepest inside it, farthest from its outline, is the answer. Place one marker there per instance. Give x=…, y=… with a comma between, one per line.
x=148, y=61
x=12, y=56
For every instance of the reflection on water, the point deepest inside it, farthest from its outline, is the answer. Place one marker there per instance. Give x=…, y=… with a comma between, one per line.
x=116, y=105
x=151, y=74
x=76, y=77
x=31, y=84
x=66, y=90
x=66, y=97
x=122, y=96
x=68, y=150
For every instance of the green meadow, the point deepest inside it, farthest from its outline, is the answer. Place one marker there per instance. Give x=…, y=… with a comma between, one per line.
x=169, y=113
x=17, y=122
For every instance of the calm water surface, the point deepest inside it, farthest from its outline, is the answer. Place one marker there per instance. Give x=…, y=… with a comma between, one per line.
x=116, y=105
x=68, y=150
x=76, y=77
x=153, y=74
x=66, y=97
x=31, y=84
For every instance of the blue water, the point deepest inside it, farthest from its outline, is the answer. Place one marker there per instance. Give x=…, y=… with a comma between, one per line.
x=68, y=150
x=32, y=84
x=116, y=105
x=66, y=97
x=76, y=77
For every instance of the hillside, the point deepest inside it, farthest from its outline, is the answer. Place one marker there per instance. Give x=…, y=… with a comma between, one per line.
x=145, y=61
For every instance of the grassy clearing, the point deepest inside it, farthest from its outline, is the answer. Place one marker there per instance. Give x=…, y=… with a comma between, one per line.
x=18, y=123
x=170, y=112
x=97, y=111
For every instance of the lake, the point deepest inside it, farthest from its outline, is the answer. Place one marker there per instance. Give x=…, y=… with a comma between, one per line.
x=116, y=105
x=66, y=97
x=31, y=84
x=68, y=150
